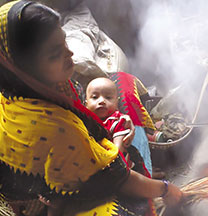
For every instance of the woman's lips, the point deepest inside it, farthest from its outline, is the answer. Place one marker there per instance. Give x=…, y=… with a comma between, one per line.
x=69, y=65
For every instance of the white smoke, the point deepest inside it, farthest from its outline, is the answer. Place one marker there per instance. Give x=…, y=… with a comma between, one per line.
x=173, y=51
x=173, y=47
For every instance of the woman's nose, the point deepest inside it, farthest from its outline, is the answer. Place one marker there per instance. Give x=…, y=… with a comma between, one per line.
x=68, y=52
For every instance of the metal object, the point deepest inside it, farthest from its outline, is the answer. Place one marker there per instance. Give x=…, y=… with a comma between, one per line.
x=197, y=125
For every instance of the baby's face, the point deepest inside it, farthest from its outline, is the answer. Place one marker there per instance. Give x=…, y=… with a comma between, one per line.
x=101, y=98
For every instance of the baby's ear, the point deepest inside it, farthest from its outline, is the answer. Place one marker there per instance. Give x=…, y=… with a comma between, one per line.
x=85, y=102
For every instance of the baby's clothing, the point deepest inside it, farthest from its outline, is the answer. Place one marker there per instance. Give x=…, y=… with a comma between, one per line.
x=115, y=125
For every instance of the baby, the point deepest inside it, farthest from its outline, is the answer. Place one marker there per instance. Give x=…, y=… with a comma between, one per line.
x=102, y=99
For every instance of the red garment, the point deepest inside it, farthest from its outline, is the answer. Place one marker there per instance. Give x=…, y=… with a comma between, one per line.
x=129, y=102
x=115, y=125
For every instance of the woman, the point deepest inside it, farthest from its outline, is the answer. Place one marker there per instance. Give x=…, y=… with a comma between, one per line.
x=49, y=143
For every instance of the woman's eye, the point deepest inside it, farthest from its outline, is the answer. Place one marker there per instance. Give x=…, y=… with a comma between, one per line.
x=56, y=55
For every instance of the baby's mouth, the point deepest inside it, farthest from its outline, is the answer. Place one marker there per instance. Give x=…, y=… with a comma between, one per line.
x=101, y=108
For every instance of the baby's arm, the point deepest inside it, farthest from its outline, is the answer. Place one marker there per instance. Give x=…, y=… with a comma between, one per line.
x=127, y=139
x=118, y=141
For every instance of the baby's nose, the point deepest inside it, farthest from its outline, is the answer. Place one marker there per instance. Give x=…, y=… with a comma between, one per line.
x=102, y=100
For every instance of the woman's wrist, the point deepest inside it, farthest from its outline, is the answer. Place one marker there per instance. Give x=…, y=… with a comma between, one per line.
x=165, y=188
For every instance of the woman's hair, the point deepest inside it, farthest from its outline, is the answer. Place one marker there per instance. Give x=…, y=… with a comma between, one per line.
x=36, y=24
x=25, y=38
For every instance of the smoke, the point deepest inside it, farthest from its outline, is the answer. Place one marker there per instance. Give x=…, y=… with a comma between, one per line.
x=173, y=52
x=173, y=47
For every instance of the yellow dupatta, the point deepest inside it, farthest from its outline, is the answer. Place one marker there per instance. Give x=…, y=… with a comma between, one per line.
x=40, y=137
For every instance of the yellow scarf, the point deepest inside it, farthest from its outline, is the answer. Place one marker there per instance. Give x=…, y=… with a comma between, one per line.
x=40, y=137
x=107, y=209
x=4, y=10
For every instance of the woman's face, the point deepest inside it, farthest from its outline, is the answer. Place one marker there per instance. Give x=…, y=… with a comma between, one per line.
x=54, y=63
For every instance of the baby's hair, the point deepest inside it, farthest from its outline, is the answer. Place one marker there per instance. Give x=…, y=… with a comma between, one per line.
x=106, y=78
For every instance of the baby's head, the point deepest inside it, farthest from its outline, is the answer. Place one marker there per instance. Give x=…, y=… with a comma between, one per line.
x=102, y=97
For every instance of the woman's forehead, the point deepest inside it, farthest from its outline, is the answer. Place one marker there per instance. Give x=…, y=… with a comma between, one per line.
x=55, y=41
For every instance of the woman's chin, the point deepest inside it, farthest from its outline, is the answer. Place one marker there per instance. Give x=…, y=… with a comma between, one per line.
x=70, y=73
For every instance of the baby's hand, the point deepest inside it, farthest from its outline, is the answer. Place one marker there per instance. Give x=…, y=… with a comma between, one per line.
x=128, y=125
x=126, y=144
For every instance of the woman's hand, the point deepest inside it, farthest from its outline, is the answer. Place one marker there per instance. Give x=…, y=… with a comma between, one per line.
x=174, y=195
x=138, y=185
x=129, y=137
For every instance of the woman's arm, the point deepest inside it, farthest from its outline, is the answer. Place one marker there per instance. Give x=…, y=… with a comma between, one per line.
x=138, y=185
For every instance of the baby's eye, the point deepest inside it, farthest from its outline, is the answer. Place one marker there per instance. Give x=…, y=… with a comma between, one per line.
x=108, y=97
x=94, y=96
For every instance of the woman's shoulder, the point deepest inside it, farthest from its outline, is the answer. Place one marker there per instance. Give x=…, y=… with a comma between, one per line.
x=37, y=107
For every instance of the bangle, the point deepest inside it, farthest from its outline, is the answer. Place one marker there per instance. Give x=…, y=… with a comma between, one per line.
x=166, y=183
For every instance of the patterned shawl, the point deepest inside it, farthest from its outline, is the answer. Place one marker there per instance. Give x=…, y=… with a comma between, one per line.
x=40, y=137
x=129, y=88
